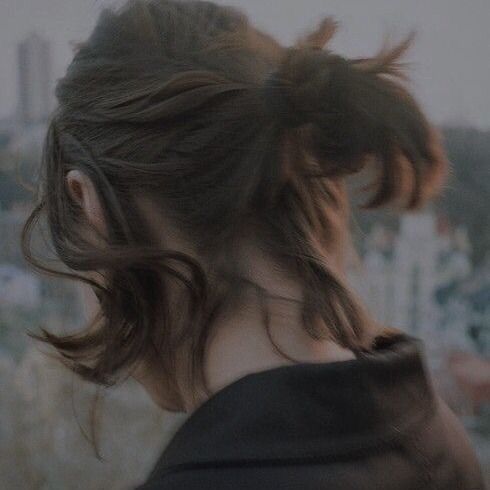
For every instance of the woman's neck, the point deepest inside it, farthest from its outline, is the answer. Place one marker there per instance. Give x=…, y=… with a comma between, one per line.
x=239, y=343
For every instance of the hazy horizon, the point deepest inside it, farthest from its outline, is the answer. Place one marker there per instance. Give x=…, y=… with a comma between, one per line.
x=450, y=58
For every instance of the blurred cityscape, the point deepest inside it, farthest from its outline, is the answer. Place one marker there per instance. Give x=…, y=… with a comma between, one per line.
x=426, y=272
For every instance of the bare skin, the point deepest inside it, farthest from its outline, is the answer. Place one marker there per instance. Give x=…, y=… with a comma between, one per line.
x=239, y=344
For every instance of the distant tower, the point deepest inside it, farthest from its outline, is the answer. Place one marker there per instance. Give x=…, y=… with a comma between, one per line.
x=35, y=90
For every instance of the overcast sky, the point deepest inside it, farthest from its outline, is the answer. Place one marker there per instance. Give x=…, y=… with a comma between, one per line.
x=451, y=57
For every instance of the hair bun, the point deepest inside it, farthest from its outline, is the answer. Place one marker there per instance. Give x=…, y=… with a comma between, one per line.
x=293, y=90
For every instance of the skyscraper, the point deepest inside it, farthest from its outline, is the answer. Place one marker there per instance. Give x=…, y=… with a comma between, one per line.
x=35, y=90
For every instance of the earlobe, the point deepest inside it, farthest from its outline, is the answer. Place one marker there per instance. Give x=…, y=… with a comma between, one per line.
x=82, y=190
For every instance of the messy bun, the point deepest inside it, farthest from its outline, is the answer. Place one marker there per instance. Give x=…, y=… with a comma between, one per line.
x=234, y=138
x=357, y=112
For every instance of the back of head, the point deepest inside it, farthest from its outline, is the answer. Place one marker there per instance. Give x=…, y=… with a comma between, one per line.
x=235, y=137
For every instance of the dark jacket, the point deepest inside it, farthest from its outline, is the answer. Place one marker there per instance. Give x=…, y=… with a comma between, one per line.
x=373, y=423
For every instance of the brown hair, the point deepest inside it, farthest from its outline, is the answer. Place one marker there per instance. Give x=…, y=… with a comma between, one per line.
x=233, y=136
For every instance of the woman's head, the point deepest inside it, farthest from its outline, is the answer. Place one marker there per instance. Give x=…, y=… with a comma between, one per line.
x=184, y=137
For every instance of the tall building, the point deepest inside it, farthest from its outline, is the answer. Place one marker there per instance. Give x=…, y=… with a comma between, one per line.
x=35, y=88
x=415, y=267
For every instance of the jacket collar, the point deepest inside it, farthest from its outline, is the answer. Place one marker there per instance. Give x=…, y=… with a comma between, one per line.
x=309, y=410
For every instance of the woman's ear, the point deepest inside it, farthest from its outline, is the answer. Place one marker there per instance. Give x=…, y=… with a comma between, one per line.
x=82, y=190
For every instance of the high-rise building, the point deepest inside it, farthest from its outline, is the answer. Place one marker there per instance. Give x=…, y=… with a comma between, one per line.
x=35, y=89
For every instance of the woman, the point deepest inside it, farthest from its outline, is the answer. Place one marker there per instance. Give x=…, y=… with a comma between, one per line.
x=195, y=177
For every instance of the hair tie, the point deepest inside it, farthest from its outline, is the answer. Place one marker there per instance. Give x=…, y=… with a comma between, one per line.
x=276, y=95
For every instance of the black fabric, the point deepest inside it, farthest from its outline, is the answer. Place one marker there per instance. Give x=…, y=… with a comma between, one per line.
x=371, y=423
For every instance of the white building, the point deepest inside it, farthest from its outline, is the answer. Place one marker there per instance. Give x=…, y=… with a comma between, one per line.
x=403, y=276
x=379, y=292
x=415, y=264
